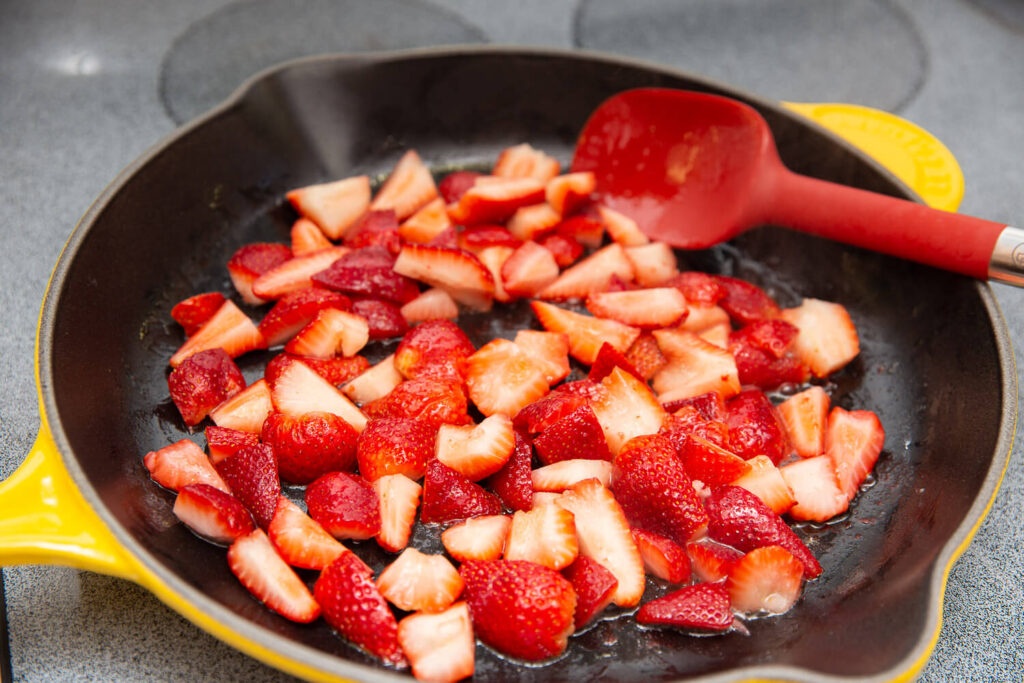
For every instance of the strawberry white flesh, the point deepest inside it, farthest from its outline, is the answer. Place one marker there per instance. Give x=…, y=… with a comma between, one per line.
x=409, y=187
x=559, y=476
x=329, y=333
x=717, y=335
x=299, y=540
x=492, y=199
x=307, y=237
x=626, y=408
x=261, y=570
x=399, y=497
x=477, y=538
x=827, y=340
x=523, y=161
x=621, y=228
x=565, y=192
x=212, y=513
x=494, y=259
x=592, y=274
x=853, y=442
x=530, y=221
x=426, y=224
x=805, y=415
x=695, y=366
x=433, y=304
x=375, y=383
x=440, y=646
x=550, y=350
x=585, y=333
x=766, y=482
x=545, y=535
x=653, y=263
x=180, y=464
x=815, y=488
x=476, y=451
x=528, y=270
x=417, y=581
x=229, y=329
x=766, y=579
x=644, y=308
x=245, y=411
x=704, y=316
x=299, y=390
x=295, y=274
x=502, y=378
x=458, y=272
x=335, y=206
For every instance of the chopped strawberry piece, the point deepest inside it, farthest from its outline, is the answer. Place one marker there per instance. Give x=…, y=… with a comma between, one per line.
x=766, y=482
x=299, y=540
x=585, y=333
x=203, y=381
x=345, y=505
x=587, y=230
x=228, y=329
x=644, y=308
x=621, y=228
x=296, y=273
x=773, y=336
x=765, y=579
x=455, y=184
x=543, y=413
x=709, y=405
x=250, y=262
x=694, y=367
x=374, y=383
x=550, y=350
x=532, y=221
x=329, y=333
x=566, y=250
x=251, y=473
x=565, y=193
x=519, y=608
x=494, y=259
x=194, y=311
x=336, y=370
x=212, y=513
x=246, y=410
x=478, y=538
x=655, y=264
x=409, y=187
x=594, y=586
x=758, y=367
x=261, y=570
x=523, y=161
x=493, y=200
x=456, y=271
x=434, y=402
x=626, y=408
x=433, y=304
x=804, y=416
x=354, y=607
x=307, y=237
x=383, y=318
x=503, y=378
x=745, y=302
x=449, y=496
x=368, y=272
x=295, y=310
x=590, y=275
x=399, y=498
x=711, y=464
x=180, y=464
x=513, y=482
x=703, y=606
x=662, y=558
x=395, y=445
x=335, y=206
x=576, y=435
x=224, y=441
x=416, y=581
x=604, y=536
x=446, y=239
x=645, y=356
x=309, y=446
x=426, y=224
x=755, y=427
x=545, y=535
x=711, y=562
x=704, y=317
x=853, y=442
x=565, y=474
x=608, y=358
x=476, y=451
x=698, y=288
x=434, y=350
x=478, y=237
x=528, y=270
x=439, y=646
x=815, y=489
x=742, y=520
x=655, y=491
x=718, y=335
x=298, y=390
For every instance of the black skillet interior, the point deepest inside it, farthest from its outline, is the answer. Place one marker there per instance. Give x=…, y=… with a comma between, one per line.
x=929, y=364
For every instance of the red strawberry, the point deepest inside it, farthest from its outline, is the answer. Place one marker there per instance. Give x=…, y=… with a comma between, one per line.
x=773, y=336
x=765, y=579
x=513, y=482
x=223, y=441
x=203, y=381
x=295, y=310
x=654, y=490
x=299, y=540
x=523, y=161
x=703, y=606
x=228, y=329
x=395, y=445
x=576, y=435
x=758, y=367
x=298, y=390
x=655, y=264
x=354, y=607
x=493, y=200
x=531, y=221
x=493, y=259
x=180, y=464
x=742, y=520
x=440, y=646
x=853, y=442
x=545, y=535
x=585, y=333
x=261, y=570
x=566, y=192
x=455, y=184
x=587, y=230
x=449, y=496
x=307, y=237
x=711, y=562
x=550, y=350
x=434, y=402
x=709, y=405
x=607, y=360
x=416, y=581
x=626, y=408
x=456, y=271
x=368, y=272
x=621, y=228
x=566, y=250
x=503, y=378
x=804, y=416
x=309, y=446
x=564, y=474
x=433, y=304
x=521, y=609
x=603, y=535
x=336, y=371
x=698, y=288
x=376, y=229
x=594, y=586
x=329, y=333
x=196, y=310
x=477, y=538
x=384, y=318
x=590, y=275
x=814, y=489
x=212, y=513
x=645, y=356
x=252, y=475
x=688, y=422
x=544, y=412
x=409, y=187
x=251, y=261
x=827, y=340
x=528, y=270
x=766, y=482
x=345, y=505
x=427, y=223
x=711, y=464
x=755, y=427
x=447, y=238
x=296, y=273
x=399, y=497
x=662, y=558
x=478, y=237
x=434, y=350
x=246, y=410
x=476, y=451
x=335, y=206
x=694, y=367
x=745, y=302
x=374, y=383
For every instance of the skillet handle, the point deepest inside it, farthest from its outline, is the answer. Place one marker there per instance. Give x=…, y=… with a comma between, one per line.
x=45, y=520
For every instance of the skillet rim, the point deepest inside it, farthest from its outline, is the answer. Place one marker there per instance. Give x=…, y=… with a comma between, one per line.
x=265, y=640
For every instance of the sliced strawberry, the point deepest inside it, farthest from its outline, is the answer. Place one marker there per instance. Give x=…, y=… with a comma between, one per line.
x=310, y=446
x=455, y=184
x=399, y=498
x=180, y=464
x=494, y=259
x=434, y=350
x=604, y=536
x=577, y=435
x=709, y=405
x=354, y=607
x=528, y=270
x=194, y=311
x=203, y=381
x=299, y=390
x=654, y=264
x=521, y=609
x=224, y=441
x=479, y=237
x=645, y=356
x=765, y=579
x=336, y=371
x=607, y=360
x=585, y=333
x=654, y=490
x=711, y=562
x=212, y=513
x=476, y=451
x=434, y=402
x=374, y=383
x=644, y=308
x=853, y=441
x=251, y=473
x=590, y=275
x=368, y=272
x=549, y=350
x=745, y=302
x=766, y=482
x=295, y=310
x=662, y=558
x=543, y=413
x=565, y=474
x=565, y=193
x=449, y=496
x=742, y=520
x=755, y=427
x=513, y=482
x=251, y=261
x=758, y=367
x=541, y=498
x=532, y=221
x=426, y=224
x=804, y=416
x=261, y=570
x=415, y=581
x=409, y=187
x=246, y=410
x=712, y=464
x=545, y=535
x=827, y=340
x=815, y=489
x=523, y=161
x=698, y=288
x=718, y=335
x=694, y=367
x=626, y=408
x=594, y=586
x=447, y=238
x=621, y=228
x=345, y=505
x=300, y=541
x=478, y=538
x=433, y=304
x=329, y=333
x=503, y=378
x=383, y=318
x=377, y=229
x=335, y=206
x=456, y=271
x=228, y=329
x=587, y=230
x=703, y=606
x=307, y=237
x=493, y=200
x=566, y=250
x=704, y=317
x=296, y=273
x=439, y=646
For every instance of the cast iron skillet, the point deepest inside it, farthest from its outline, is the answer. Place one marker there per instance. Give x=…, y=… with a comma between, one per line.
x=935, y=362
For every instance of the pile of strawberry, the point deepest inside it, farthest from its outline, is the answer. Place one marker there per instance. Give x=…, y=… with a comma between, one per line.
x=556, y=498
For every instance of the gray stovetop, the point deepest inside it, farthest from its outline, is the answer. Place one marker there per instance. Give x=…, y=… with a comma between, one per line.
x=85, y=87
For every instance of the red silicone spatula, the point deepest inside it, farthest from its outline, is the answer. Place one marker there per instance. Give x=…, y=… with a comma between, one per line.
x=695, y=169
